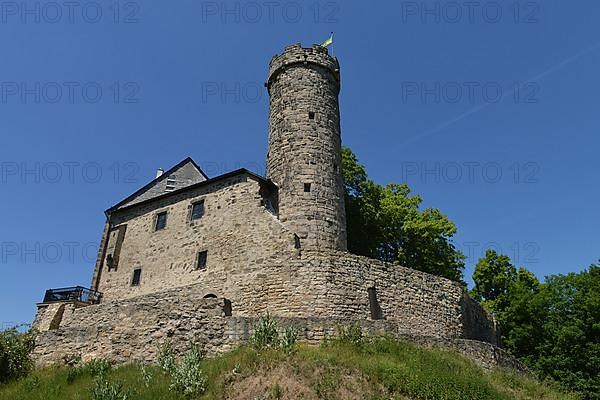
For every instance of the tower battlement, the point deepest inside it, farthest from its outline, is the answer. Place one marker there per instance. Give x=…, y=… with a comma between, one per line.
x=295, y=54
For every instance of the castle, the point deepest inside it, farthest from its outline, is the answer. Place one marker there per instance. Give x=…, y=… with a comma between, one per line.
x=192, y=257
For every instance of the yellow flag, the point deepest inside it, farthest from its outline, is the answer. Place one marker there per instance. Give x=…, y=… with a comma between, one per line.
x=328, y=41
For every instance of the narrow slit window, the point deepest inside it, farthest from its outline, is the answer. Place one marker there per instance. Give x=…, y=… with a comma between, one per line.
x=374, y=307
x=201, y=261
x=227, y=309
x=311, y=115
x=161, y=221
x=296, y=241
x=306, y=187
x=197, y=210
x=137, y=277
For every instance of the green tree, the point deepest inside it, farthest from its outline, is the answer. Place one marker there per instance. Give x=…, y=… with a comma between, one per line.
x=15, y=354
x=568, y=347
x=362, y=198
x=509, y=294
x=385, y=222
x=493, y=276
x=553, y=327
x=522, y=316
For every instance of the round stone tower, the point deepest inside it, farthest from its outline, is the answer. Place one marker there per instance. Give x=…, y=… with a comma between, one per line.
x=304, y=157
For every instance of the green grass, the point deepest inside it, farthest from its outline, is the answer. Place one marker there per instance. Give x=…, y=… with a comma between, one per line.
x=382, y=369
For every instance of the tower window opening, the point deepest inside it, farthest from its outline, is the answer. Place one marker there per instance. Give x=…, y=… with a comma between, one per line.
x=137, y=277
x=311, y=115
x=201, y=261
x=306, y=187
x=227, y=309
x=296, y=241
x=374, y=307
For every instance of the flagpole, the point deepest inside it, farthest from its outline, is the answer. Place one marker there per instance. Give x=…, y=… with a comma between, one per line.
x=332, y=44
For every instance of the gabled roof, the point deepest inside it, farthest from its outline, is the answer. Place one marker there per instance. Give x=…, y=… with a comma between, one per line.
x=194, y=172
x=126, y=203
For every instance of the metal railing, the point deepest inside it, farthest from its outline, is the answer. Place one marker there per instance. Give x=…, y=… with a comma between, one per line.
x=77, y=293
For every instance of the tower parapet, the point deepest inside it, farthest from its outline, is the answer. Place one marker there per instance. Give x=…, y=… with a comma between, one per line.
x=304, y=157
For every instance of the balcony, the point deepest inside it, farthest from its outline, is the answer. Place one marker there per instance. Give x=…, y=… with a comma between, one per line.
x=77, y=293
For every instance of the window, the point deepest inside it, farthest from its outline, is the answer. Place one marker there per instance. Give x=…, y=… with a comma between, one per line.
x=201, y=262
x=197, y=210
x=296, y=241
x=161, y=221
x=137, y=276
x=374, y=307
x=311, y=115
x=307, y=187
x=227, y=308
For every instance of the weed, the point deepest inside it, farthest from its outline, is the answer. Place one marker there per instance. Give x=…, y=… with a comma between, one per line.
x=265, y=333
x=288, y=339
x=187, y=377
x=166, y=358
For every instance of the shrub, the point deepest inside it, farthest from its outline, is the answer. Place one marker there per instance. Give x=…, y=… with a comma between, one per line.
x=96, y=367
x=351, y=334
x=265, y=333
x=187, y=377
x=15, y=354
x=288, y=339
x=105, y=390
x=166, y=358
x=72, y=374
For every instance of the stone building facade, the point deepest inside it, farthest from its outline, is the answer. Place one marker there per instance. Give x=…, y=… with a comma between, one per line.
x=188, y=256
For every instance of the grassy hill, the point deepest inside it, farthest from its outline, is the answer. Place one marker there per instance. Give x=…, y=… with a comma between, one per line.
x=381, y=369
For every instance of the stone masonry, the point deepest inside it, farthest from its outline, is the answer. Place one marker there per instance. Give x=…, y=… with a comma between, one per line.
x=238, y=232
x=305, y=145
x=131, y=330
x=189, y=257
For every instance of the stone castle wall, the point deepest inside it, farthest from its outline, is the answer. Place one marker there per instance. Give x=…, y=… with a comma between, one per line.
x=338, y=285
x=315, y=287
x=132, y=329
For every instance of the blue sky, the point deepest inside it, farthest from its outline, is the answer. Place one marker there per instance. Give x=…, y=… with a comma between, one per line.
x=488, y=111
